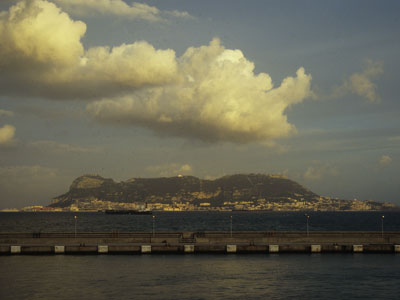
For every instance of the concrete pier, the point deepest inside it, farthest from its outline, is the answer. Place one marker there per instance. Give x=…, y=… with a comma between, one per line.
x=231, y=249
x=189, y=248
x=273, y=248
x=145, y=249
x=200, y=242
x=102, y=248
x=315, y=248
x=59, y=249
x=15, y=249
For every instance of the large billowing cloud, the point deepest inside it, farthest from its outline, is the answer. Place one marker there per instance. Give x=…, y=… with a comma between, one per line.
x=37, y=36
x=40, y=49
x=210, y=93
x=219, y=98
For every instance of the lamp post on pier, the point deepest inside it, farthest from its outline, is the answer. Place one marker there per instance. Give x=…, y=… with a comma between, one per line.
x=76, y=220
x=382, y=224
x=307, y=218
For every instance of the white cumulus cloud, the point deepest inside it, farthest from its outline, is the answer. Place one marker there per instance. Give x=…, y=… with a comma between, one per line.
x=7, y=133
x=40, y=49
x=219, y=98
x=40, y=34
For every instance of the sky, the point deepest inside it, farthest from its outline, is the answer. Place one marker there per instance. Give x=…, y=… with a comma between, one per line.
x=305, y=89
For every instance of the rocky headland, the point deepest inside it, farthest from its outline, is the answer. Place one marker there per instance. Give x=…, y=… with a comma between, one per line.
x=234, y=192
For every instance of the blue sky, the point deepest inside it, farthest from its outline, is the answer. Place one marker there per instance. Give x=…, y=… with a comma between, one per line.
x=307, y=89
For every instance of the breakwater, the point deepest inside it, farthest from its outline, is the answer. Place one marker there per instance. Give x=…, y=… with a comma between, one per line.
x=200, y=242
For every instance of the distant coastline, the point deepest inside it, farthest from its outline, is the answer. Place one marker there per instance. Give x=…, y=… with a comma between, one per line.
x=238, y=192
x=44, y=209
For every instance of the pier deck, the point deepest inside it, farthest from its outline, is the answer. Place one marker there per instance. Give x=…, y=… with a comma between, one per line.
x=200, y=242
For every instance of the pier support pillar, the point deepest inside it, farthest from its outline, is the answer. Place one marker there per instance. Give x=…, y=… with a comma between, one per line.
x=59, y=249
x=231, y=248
x=145, y=249
x=273, y=248
x=397, y=248
x=315, y=248
x=358, y=248
x=188, y=248
x=102, y=249
x=15, y=249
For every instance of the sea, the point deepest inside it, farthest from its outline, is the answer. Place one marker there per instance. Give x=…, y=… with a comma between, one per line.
x=201, y=276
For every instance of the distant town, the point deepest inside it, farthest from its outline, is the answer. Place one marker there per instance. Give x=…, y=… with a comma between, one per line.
x=321, y=204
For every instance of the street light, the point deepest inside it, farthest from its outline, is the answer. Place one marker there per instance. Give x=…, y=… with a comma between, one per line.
x=307, y=217
x=382, y=224
x=154, y=228
x=231, y=225
x=76, y=219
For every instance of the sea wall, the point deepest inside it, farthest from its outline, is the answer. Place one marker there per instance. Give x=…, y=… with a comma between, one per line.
x=199, y=242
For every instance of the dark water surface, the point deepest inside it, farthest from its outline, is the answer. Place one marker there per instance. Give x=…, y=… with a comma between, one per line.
x=200, y=276
x=198, y=221
x=293, y=276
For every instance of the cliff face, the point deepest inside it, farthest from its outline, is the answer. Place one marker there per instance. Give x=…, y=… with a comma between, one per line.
x=240, y=187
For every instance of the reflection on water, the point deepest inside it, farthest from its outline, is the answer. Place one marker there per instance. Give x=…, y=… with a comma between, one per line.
x=327, y=276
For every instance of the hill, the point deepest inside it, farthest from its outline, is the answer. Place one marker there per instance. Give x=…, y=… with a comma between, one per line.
x=239, y=188
x=239, y=191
